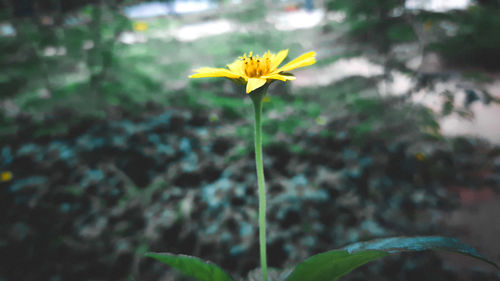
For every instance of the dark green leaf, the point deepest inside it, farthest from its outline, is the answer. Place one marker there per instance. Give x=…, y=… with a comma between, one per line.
x=332, y=265
x=192, y=266
x=414, y=244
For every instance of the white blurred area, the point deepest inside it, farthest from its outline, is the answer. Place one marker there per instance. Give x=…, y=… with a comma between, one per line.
x=285, y=20
x=298, y=19
x=437, y=5
x=203, y=29
x=178, y=7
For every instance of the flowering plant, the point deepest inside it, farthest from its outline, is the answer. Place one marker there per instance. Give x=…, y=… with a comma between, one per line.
x=257, y=72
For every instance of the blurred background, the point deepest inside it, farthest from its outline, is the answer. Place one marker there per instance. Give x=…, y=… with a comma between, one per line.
x=108, y=150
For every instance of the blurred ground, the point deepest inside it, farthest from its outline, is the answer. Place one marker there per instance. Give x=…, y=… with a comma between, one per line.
x=467, y=223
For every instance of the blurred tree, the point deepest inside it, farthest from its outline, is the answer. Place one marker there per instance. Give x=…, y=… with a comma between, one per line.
x=378, y=22
x=476, y=41
x=384, y=23
x=489, y=3
x=466, y=37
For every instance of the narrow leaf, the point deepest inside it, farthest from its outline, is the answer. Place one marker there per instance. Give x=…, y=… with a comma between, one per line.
x=192, y=266
x=332, y=265
x=414, y=244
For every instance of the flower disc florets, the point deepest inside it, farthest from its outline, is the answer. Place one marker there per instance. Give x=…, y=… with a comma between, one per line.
x=257, y=66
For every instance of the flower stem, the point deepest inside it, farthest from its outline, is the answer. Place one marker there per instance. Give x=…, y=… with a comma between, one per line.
x=257, y=103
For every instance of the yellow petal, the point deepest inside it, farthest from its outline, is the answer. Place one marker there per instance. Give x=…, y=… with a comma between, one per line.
x=278, y=58
x=279, y=77
x=214, y=72
x=237, y=68
x=303, y=60
x=255, y=83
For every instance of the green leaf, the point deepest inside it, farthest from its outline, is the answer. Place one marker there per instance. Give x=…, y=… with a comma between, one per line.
x=415, y=244
x=332, y=265
x=192, y=266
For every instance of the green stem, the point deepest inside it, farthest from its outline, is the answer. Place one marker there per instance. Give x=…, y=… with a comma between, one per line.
x=257, y=103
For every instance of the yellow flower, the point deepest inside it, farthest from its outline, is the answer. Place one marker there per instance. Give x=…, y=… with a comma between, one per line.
x=256, y=71
x=5, y=176
x=420, y=156
x=140, y=26
x=321, y=120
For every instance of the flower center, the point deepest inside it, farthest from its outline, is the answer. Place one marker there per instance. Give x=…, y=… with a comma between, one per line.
x=256, y=66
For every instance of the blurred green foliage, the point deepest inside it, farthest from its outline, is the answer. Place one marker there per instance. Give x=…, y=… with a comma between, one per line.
x=76, y=58
x=59, y=57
